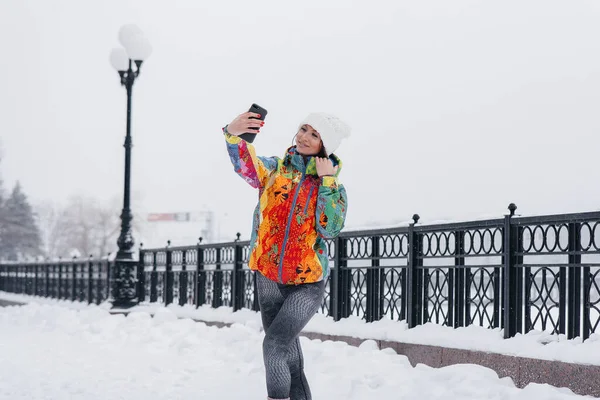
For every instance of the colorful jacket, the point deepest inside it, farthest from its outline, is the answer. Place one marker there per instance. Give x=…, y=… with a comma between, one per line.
x=297, y=210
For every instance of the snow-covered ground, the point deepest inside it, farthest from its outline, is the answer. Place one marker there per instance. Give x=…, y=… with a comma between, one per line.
x=535, y=344
x=55, y=352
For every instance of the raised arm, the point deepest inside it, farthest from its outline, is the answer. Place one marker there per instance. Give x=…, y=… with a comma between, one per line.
x=246, y=163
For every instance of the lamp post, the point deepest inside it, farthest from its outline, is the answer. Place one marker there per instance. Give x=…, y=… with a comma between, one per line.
x=136, y=49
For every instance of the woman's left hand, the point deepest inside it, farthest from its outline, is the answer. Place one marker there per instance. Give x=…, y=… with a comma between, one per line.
x=325, y=167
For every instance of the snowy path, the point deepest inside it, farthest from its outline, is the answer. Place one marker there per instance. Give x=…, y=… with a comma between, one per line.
x=50, y=352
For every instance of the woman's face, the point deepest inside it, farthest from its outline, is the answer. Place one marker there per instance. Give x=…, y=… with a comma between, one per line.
x=308, y=141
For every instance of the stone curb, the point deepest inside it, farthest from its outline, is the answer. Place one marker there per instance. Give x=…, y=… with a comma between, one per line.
x=581, y=379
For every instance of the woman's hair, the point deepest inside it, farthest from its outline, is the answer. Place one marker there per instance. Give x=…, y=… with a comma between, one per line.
x=322, y=152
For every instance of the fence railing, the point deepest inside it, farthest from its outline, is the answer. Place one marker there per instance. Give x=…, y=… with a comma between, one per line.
x=518, y=274
x=74, y=279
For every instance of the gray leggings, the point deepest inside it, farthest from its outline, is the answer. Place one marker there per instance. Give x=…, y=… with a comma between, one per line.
x=285, y=310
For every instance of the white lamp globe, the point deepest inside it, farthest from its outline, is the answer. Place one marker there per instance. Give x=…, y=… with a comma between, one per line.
x=128, y=32
x=139, y=49
x=119, y=59
x=135, y=42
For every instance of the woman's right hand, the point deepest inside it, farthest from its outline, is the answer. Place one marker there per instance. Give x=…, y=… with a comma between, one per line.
x=243, y=122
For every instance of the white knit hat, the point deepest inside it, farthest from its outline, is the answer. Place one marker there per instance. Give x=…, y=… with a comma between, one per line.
x=331, y=128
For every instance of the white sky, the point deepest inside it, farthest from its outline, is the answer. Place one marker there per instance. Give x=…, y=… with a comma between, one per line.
x=458, y=108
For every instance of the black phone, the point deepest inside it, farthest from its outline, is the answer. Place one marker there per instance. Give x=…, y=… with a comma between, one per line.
x=254, y=108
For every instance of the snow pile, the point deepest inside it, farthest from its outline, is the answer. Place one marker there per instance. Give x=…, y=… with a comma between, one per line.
x=54, y=352
x=539, y=345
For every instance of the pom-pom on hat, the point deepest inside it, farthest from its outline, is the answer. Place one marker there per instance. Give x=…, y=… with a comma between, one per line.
x=331, y=128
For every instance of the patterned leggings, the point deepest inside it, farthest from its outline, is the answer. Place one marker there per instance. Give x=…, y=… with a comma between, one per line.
x=285, y=310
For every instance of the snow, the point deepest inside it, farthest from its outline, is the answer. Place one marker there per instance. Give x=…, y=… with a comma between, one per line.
x=535, y=344
x=55, y=352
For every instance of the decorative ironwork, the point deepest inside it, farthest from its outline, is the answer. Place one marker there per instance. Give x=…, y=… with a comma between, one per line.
x=358, y=293
x=249, y=290
x=543, y=286
x=593, y=294
x=325, y=309
x=481, y=299
x=209, y=287
x=227, y=292
x=436, y=296
x=176, y=283
x=590, y=236
x=160, y=287
x=393, y=293
x=515, y=273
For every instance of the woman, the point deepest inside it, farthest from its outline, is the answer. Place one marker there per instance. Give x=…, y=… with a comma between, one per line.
x=300, y=205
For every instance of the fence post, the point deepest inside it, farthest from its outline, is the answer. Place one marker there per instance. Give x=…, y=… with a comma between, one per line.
x=141, y=275
x=333, y=284
x=217, y=300
x=154, y=280
x=20, y=284
x=32, y=279
x=98, y=297
x=47, y=280
x=109, y=278
x=21, y=279
x=459, y=282
x=35, y=279
x=183, y=279
x=574, y=296
x=340, y=283
x=90, y=279
x=15, y=280
x=28, y=280
x=237, y=284
x=24, y=279
x=512, y=287
x=83, y=282
x=169, y=275
x=414, y=284
x=60, y=279
x=587, y=284
x=200, y=276
x=74, y=278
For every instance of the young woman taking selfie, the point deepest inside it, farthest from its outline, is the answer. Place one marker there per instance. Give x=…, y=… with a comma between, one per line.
x=300, y=204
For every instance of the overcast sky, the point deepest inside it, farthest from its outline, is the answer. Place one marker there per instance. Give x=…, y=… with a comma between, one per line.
x=457, y=107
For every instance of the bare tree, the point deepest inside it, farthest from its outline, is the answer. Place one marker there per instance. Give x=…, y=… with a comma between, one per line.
x=83, y=225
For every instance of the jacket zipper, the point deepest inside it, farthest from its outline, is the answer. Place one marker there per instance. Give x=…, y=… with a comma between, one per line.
x=308, y=199
x=287, y=227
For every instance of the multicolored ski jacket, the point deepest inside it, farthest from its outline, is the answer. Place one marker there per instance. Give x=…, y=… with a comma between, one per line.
x=296, y=211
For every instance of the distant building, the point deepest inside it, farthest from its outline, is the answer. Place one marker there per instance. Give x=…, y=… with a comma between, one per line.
x=181, y=228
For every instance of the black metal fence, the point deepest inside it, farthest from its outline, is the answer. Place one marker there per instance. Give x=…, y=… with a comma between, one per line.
x=75, y=280
x=515, y=273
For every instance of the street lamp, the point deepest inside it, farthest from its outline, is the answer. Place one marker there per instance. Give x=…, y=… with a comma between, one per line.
x=136, y=49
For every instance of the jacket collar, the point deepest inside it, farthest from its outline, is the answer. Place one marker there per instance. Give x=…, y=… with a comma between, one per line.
x=296, y=160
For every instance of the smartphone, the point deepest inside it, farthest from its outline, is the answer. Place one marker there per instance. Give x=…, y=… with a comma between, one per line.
x=254, y=108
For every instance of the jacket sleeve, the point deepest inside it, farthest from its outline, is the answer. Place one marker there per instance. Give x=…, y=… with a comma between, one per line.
x=331, y=208
x=253, y=169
